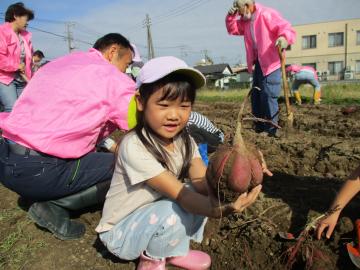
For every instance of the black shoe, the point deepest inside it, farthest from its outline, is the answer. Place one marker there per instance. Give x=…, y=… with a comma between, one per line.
x=57, y=220
x=276, y=134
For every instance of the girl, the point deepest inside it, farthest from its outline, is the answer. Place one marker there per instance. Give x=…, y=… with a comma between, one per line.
x=151, y=210
x=15, y=54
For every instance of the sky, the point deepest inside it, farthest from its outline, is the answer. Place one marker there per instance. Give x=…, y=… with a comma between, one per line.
x=182, y=28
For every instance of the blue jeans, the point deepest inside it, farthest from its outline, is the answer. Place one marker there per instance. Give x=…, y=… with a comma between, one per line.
x=303, y=77
x=43, y=177
x=10, y=93
x=264, y=100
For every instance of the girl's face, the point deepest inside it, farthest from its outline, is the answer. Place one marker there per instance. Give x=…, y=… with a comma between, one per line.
x=165, y=117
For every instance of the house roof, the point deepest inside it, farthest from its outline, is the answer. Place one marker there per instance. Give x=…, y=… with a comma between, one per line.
x=212, y=69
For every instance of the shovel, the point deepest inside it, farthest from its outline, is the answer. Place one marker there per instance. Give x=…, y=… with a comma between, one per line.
x=354, y=252
x=290, y=115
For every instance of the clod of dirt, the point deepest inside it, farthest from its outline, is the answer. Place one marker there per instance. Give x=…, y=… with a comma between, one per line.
x=345, y=225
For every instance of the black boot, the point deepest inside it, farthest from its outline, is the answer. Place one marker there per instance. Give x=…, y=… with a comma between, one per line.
x=54, y=216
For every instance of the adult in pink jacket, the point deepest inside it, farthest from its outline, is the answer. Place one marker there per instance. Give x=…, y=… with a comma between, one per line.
x=15, y=54
x=47, y=152
x=303, y=75
x=264, y=30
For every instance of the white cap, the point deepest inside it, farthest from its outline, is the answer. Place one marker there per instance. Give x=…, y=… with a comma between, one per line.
x=160, y=67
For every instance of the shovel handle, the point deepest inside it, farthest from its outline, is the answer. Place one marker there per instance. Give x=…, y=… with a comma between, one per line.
x=357, y=228
x=284, y=81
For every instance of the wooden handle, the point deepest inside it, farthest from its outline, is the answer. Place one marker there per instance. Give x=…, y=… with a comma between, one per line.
x=284, y=81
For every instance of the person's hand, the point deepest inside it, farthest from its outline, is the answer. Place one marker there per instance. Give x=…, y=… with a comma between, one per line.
x=233, y=8
x=281, y=42
x=327, y=223
x=22, y=68
x=263, y=165
x=246, y=199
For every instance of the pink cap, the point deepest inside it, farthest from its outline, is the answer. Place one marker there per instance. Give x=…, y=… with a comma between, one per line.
x=160, y=67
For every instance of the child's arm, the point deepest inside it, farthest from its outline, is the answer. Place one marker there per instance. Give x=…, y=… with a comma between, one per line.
x=347, y=192
x=196, y=203
x=197, y=172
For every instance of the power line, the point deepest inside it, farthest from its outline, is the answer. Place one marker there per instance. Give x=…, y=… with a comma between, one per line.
x=177, y=9
x=58, y=35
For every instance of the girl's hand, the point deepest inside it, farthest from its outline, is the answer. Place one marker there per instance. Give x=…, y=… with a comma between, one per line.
x=328, y=223
x=244, y=200
x=263, y=165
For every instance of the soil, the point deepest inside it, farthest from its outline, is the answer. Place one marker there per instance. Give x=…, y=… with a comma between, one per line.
x=309, y=164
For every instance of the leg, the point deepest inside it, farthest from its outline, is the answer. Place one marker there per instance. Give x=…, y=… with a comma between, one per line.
x=45, y=178
x=19, y=87
x=8, y=96
x=269, y=99
x=256, y=105
x=161, y=229
x=295, y=89
x=317, y=90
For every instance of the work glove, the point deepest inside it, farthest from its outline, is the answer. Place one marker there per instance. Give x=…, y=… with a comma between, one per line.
x=281, y=42
x=232, y=10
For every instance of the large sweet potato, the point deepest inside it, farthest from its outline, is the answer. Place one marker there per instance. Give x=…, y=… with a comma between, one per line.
x=232, y=171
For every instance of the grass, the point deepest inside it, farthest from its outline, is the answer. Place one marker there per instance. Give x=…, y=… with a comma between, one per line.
x=342, y=94
x=16, y=246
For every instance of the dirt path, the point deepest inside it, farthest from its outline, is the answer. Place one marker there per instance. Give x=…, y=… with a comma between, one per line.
x=309, y=165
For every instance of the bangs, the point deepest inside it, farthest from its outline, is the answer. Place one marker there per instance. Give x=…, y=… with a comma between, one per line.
x=178, y=90
x=177, y=86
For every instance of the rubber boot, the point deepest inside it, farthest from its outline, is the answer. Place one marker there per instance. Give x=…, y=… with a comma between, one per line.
x=54, y=215
x=194, y=260
x=317, y=97
x=297, y=97
x=147, y=263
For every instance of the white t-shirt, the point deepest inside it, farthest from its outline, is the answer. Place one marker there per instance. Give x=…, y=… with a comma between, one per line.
x=135, y=165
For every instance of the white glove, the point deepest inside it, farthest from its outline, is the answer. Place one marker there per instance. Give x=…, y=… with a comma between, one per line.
x=281, y=42
x=232, y=10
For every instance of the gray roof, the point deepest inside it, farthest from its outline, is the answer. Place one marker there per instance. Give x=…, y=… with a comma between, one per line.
x=213, y=69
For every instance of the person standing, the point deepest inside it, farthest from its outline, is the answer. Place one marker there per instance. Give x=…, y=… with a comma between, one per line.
x=264, y=30
x=15, y=54
x=47, y=153
x=303, y=75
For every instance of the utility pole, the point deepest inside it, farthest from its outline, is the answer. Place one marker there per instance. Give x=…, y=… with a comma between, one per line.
x=69, y=36
x=151, y=52
x=208, y=60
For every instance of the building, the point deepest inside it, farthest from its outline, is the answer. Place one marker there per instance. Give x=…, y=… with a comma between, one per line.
x=216, y=75
x=332, y=48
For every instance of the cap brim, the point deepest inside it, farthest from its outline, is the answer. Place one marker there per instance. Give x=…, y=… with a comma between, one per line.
x=196, y=77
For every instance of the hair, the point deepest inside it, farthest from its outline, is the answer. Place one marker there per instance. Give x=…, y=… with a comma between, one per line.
x=174, y=86
x=39, y=54
x=241, y=3
x=103, y=43
x=18, y=9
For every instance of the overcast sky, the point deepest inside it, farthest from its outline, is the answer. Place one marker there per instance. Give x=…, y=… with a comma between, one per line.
x=182, y=28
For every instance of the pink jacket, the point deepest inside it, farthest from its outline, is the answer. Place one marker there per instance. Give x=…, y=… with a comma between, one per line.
x=10, y=53
x=70, y=105
x=297, y=68
x=268, y=26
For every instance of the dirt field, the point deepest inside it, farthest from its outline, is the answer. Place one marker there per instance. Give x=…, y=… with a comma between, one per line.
x=309, y=165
